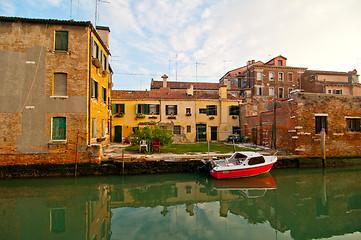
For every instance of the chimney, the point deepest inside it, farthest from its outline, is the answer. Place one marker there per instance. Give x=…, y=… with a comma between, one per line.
x=228, y=83
x=190, y=91
x=103, y=33
x=253, y=61
x=223, y=91
x=249, y=62
x=165, y=77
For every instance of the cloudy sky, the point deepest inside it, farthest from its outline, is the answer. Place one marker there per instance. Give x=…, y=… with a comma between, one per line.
x=200, y=40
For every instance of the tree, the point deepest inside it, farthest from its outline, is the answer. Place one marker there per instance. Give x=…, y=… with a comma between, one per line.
x=150, y=133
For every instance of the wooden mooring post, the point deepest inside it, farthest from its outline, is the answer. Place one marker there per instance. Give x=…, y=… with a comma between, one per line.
x=123, y=159
x=323, y=147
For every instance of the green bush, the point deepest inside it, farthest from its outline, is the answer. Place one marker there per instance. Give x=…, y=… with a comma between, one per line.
x=150, y=133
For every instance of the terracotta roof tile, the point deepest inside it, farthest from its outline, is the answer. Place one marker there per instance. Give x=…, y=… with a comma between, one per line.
x=186, y=85
x=166, y=93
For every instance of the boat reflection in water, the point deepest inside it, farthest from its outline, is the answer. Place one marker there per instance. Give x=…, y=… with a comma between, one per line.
x=290, y=204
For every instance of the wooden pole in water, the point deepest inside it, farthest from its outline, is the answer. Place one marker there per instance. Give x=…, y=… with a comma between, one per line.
x=123, y=159
x=76, y=154
x=323, y=147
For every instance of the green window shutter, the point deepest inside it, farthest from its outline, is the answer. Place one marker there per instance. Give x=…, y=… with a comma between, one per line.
x=59, y=128
x=61, y=40
x=146, y=109
x=136, y=109
x=122, y=108
x=215, y=110
x=166, y=110
x=114, y=108
x=175, y=109
x=157, y=109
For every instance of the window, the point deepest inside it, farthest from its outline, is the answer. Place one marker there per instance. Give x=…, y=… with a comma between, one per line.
x=353, y=124
x=59, y=128
x=171, y=109
x=147, y=109
x=280, y=93
x=94, y=89
x=94, y=128
x=154, y=109
x=259, y=91
x=289, y=91
x=103, y=128
x=61, y=41
x=60, y=84
x=189, y=129
x=321, y=122
x=177, y=129
x=135, y=129
x=212, y=109
x=104, y=95
x=234, y=110
x=256, y=160
x=271, y=76
x=280, y=63
x=290, y=77
x=329, y=91
x=271, y=91
x=203, y=111
x=104, y=61
x=188, y=111
x=57, y=220
x=259, y=76
x=337, y=91
x=118, y=108
x=236, y=130
x=280, y=76
x=95, y=48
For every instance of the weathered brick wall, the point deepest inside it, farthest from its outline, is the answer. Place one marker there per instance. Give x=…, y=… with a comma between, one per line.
x=339, y=142
x=29, y=105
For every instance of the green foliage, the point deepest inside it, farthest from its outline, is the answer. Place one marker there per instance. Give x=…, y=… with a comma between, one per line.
x=150, y=133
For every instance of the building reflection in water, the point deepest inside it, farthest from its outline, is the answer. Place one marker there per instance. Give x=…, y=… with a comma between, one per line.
x=304, y=204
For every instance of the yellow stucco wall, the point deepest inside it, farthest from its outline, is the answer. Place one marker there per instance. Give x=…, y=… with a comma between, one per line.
x=223, y=121
x=98, y=108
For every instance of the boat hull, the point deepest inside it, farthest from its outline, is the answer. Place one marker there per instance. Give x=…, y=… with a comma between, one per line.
x=244, y=172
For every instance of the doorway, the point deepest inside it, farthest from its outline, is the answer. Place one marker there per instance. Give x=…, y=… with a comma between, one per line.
x=118, y=133
x=201, y=132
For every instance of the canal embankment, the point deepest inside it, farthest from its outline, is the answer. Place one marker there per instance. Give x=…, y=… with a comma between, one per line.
x=150, y=164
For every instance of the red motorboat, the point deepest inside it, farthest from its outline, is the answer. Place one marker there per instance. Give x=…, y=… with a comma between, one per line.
x=241, y=164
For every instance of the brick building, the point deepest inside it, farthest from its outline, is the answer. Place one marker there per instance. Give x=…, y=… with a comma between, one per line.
x=191, y=114
x=299, y=121
x=266, y=79
x=331, y=82
x=55, y=91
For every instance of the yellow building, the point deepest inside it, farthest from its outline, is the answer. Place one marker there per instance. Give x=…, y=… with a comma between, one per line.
x=55, y=100
x=192, y=115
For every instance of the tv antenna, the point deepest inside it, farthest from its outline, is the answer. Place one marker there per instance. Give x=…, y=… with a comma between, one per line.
x=97, y=12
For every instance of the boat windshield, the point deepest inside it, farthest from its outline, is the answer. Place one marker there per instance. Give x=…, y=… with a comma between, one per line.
x=239, y=157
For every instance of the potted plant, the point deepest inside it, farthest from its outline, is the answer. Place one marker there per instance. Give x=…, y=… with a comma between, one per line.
x=171, y=116
x=211, y=117
x=139, y=115
x=121, y=114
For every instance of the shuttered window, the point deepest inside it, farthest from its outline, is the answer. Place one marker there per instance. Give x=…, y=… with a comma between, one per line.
x=59, y=128
x=60, y=84
x=321, y=122
x=61, y=41
x=171, y=110
x=118, y=108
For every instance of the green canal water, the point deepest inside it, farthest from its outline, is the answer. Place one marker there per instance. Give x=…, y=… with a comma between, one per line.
x=286, y=204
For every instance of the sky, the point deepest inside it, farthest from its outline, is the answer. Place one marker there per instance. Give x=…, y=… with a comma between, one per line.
x=200, y=40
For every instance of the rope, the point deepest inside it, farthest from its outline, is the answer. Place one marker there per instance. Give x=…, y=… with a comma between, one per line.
x=36, y=70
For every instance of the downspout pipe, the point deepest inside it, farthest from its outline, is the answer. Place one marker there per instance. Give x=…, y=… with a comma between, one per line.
x=89, y=83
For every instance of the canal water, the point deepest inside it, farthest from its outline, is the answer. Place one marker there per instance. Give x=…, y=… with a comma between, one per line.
x=285, y=204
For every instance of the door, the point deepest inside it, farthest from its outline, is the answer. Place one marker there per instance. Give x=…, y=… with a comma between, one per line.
x=201, y=132
x=118, y=134
x=213, y=133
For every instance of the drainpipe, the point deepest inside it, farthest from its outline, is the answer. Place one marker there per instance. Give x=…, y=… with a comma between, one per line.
x=89, y=82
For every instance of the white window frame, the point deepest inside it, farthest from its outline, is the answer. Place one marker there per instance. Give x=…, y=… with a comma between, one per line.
x=290, y=77
x=271, y=90
x=283, y=92
x=281, y=76
x=271, y=76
